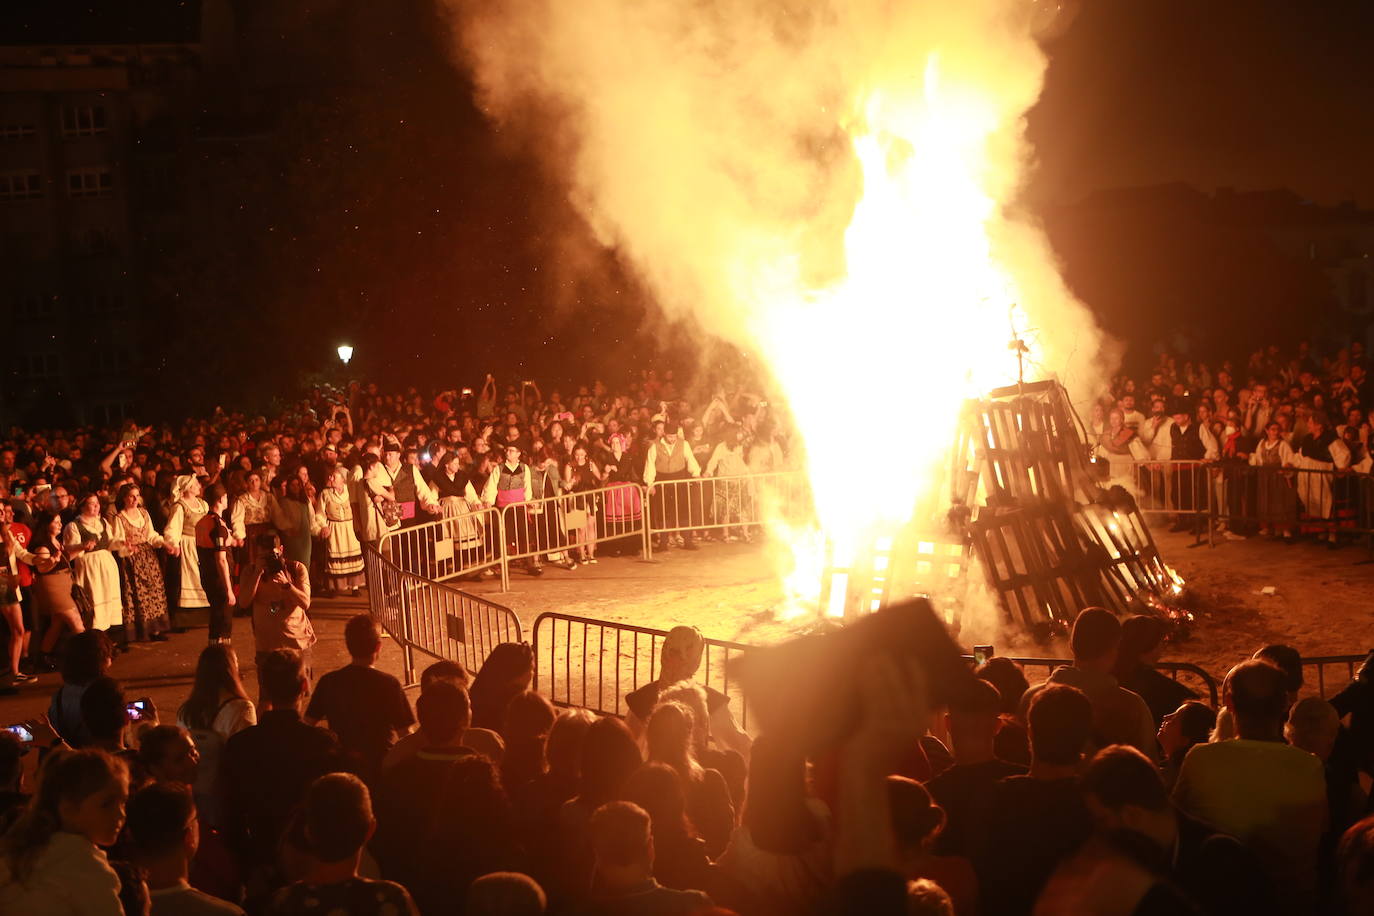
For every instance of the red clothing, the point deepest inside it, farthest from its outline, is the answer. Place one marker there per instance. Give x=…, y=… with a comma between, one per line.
x=22, y=535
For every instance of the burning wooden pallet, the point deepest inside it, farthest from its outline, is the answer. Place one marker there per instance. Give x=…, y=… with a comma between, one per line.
x=1050, y=539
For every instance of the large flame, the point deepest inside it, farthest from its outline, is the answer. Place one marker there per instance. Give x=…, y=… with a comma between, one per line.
x=829, y=184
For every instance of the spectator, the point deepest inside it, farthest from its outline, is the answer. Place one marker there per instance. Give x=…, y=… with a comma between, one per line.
x=507, y=671
x=1143, y=857
x=12, y=795
x=366, y=708
x=11, y=597
x=1270, y=796
x=1190, y=724
x=1011, y=743
x=482, y=740
x=963, y=790
x=1119, y=716
x=680, y=858
x=278, y=591
x=917, y=821
x=217, y=709
x=505, y=893
x=680, y=660
x=609, y=757
x=166, y=836
x=780, y=855
x=443, y=817
x=50, y=859
x=1142, y=640
x=166, y=753
x=524, y=730
x=54, y=610
x=1355, y=859
x=1287, y=660
x=1036, y=821
x=622, y=841
x=537, y=803
x=106, y=717
x=926, y=898
x=669, y=740
x=85, y=658
x=267, y=767
x=338, y=825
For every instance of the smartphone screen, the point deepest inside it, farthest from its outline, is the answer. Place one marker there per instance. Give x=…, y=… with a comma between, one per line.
x=22, y=731
x=137, y=710
x=982, y=654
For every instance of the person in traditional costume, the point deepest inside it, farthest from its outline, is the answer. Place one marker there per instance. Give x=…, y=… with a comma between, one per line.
x=670, y=459
x=343, y=553
x=136, y=541
x=509, y=486
x=87, y=540
x=184, y=511
x=1317, y=454
x=1276, y=497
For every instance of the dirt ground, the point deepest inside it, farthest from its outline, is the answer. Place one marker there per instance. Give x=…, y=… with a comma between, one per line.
x=1321, y=606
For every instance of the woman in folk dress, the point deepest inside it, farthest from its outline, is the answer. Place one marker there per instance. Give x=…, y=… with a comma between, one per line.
x=250, y=516
x=1317, y=454
x=87, y=540
x=184, y=511
x=343, y=553
x=136, y=541
x=1278, y=501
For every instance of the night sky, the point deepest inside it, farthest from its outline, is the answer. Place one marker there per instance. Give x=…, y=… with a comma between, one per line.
x=1251, y=94
x=385, y=209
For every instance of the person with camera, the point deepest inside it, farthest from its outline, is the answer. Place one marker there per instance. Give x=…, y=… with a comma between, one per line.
x=278, y=592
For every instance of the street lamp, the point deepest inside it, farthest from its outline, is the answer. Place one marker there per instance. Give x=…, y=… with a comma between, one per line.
x=345, y=353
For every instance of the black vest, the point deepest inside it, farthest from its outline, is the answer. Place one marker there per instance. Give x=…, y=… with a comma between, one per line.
x=1187, y=443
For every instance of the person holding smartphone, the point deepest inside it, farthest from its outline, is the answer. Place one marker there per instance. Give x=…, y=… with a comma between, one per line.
x=278, y=592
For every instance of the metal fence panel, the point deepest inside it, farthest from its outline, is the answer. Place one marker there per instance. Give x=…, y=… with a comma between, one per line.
x=595, y=663
x=434, y=618
x=559, y=524
x=460, y=544
x=726, y=503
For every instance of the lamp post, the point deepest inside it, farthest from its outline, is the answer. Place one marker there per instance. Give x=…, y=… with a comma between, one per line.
x=345, y=353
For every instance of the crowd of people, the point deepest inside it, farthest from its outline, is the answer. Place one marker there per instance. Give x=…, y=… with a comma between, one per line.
x=124, y=530
x=915, y=784
x=1285, y=440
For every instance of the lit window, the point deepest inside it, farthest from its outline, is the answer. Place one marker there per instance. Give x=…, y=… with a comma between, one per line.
x=83, y=120
x=20, y=185
x=96, y=182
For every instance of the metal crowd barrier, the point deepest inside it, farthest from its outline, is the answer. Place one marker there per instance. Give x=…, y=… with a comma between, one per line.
x=1248, y=499
x=1169, y=491
x=726, y=503
x=563, y=524
x=595, y=663
x=433, y=618
x=1328, y=686
x=462, y=543
x=1198, y=677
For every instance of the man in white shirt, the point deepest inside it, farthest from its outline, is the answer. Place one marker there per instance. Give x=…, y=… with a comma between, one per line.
x=669, y=460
